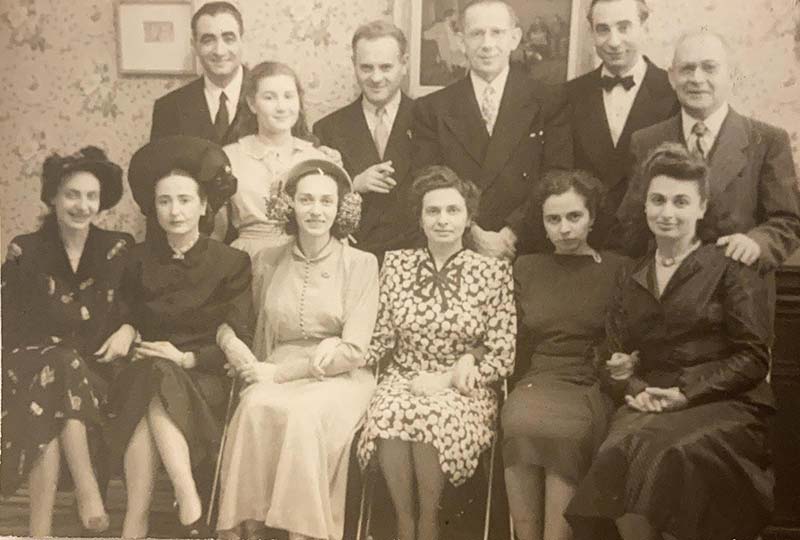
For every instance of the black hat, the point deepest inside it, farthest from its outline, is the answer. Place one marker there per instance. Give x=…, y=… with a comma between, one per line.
x=202, y=159
x=323, y=167
x=90, y=159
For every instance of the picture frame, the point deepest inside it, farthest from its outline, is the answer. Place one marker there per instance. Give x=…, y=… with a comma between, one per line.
x=154, y=37
x=552, y=56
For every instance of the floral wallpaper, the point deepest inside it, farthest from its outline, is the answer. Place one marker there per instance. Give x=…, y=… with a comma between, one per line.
x=61, y=89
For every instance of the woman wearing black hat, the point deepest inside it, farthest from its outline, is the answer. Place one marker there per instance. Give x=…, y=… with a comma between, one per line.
x=179, y=287
x=59, y=306
x=285, y=461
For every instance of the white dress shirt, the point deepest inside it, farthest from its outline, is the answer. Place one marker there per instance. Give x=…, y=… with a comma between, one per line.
x=618, y=102
x=370, y=112
x=232, y=92
x=713, y=123
x=499, y=84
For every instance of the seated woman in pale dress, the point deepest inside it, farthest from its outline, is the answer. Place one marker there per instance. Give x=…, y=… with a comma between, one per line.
x=447, y=325
x=285, y=462
x=260, y=161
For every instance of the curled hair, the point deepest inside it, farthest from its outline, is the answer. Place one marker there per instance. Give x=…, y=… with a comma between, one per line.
x=560, y=181
x=348, y=208
x=641, y=6
x=215, y=8
x=675, y=161
x=271, y=69
x=442, y=177
x=378, y=29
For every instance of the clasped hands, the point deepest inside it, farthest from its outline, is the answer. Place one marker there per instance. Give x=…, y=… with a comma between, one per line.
x=118, y=345
x=621, y=367
x=463, y=377
x=252, y=371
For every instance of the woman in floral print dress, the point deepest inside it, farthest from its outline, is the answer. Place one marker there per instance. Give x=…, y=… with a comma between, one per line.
x=59, y=306
x=447, y=324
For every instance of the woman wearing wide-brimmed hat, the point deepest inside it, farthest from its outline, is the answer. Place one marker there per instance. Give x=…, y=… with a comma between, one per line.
x=59, y=290
x=178, y=287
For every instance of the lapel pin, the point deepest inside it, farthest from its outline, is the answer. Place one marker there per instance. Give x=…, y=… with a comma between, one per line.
x=408, y=133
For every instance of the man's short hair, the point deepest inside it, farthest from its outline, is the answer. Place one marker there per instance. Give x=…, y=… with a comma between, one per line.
x=378, y=29
x=215, y=8
x=511, y=13
x=706, y=32
x=641, y=5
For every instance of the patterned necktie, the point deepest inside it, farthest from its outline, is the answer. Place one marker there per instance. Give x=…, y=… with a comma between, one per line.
x=489, y=107
x=381, y=132
x=700, y=130
x=221, y=121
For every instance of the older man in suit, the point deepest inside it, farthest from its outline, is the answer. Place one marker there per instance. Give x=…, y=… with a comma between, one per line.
x=211, y=107
x=494, y=127
x=754, y=207
x=373, y=136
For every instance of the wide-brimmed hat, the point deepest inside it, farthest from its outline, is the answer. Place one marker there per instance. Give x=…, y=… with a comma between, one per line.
x=90, y=159
x=201, y=159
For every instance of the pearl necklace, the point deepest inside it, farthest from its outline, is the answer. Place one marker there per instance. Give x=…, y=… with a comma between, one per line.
x=668, y=262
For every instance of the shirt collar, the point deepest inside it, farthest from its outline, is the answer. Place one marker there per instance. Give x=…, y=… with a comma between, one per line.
x=232, y=91
x=253, y=147
x=713, y=122
x=332, y=245
x=391, y=107
x=638, y=71
x=479, y=85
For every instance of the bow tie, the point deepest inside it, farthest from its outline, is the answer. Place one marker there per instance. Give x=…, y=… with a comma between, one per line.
x=608, y=83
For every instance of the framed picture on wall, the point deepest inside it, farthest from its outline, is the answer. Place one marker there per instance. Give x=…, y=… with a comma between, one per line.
x=549, y=50
x=154, y=37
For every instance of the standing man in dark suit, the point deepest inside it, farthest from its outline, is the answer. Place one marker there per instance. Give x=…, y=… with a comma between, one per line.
x=373, y=136
x=211, y=107
x=625, y=94
x=494, y=127
x=754, y=207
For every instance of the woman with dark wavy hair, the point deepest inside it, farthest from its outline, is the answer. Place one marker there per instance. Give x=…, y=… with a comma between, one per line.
x=445, y=330
x=59, y=306
x=260, y=161
x=179, y=287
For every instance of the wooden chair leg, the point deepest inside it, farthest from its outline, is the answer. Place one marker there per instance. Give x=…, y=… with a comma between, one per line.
x=487, y=520
x=365, y=507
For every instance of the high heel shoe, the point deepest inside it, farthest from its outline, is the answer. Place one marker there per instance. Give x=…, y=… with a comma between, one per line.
x=198, y=529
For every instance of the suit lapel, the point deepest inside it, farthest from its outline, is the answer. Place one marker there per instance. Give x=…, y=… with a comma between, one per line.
x=517, y=108
x=591, y=121
x=728, y=156
x=195, y=110
x=242, y=112
x=465, y=121
x=356, y=138
x=399, y=143
x=643, y=104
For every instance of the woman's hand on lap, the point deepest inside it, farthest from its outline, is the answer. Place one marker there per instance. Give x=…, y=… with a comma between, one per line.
x=427, y=384
x=117, y=345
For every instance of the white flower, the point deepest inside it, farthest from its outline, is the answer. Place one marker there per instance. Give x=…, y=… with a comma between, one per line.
x=46, y=376
x=36, y=409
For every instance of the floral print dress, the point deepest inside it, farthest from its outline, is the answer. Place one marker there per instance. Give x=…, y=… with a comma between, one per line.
x=428, y=318
x=53, y=321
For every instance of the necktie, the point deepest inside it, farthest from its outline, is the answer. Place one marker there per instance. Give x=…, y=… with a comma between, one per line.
x=221, y=121
x=700, y=130
x=381, y=132
x=608, y=83
x=489, y=107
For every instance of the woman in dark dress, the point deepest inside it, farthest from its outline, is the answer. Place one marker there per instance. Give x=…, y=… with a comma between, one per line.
x=686, y=456
x=179, y=287
x=59, y=306
x=557, y=414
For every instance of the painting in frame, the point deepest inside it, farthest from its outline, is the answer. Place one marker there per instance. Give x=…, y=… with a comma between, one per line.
x=154, y=37
x=550, y=49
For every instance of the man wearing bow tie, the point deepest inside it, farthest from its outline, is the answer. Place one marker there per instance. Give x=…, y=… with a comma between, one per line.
x=754, y=205
x=373, y=136
x=494, y=127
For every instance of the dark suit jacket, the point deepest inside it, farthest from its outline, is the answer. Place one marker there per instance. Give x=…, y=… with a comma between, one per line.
x=385, y=222
x=708, y=333
x=530, y=135
x=753, y=184
x=184, y=111
x=593, y=147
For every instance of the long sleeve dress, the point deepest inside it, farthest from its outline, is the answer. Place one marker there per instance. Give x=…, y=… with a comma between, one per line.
x=428, y=319
x=260, y=172
x=286, y=458
x=557, y=415
x=54, y=320
x=182, y=300
x=702, y=471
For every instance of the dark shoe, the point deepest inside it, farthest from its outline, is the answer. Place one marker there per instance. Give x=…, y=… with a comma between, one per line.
x=198, y=529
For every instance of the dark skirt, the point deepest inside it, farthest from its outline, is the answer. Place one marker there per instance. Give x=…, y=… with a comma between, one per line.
x=555, y=418
x=42, y=387
x=194, y=400
x=699, y=473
